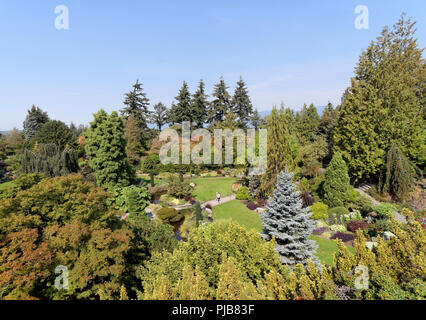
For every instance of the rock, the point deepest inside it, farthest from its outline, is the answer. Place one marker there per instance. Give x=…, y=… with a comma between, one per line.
x=260, y=210
x=370, y=245
x=388, y=235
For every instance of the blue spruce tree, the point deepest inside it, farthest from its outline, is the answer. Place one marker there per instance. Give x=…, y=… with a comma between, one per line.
x=290, y=224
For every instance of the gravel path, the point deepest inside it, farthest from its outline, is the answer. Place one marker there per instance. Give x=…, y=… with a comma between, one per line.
x=212, y=203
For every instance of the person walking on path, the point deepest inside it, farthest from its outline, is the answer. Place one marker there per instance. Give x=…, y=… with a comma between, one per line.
x=218, y=197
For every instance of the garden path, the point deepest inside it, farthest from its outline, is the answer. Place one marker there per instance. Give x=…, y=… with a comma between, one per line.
x=212, y=203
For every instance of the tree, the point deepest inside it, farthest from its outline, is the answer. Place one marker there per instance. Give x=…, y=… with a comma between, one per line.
x=56, y=132
x=256, y=120
x=196, y=209
x=289, y=223
x=151, y=165
x=398, y=178
x=106, y=149
x=137, y=104
x=199, y=106
x=282, y=149
x=34, y=120
x=14, y=139
x=336, y=183
x=308, y=124
x=241, y=104
x=384, y=104
x=49, y=160
x=61, y=221
x=181, y=111
x=134, y=148
x=221, y=103
x=160, y=115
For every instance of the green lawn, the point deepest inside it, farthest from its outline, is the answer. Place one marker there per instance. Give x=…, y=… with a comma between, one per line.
x=326, y=249
x=250, y=220
x=207, y=187
x=239, y=213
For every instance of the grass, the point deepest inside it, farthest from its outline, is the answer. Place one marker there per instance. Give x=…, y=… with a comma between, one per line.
x=239, y=213
x=207, y=187
x=326, y=249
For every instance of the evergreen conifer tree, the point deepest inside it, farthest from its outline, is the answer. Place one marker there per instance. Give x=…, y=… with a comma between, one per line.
x=134, y=148
x=241, y=104
x=199, y=105
x=336, y=183
x=221, y=103
x=106, y=149
x=398, y=179
x=160, y=115
x=33, y=122
x=256, y=121
x=137, y=104
x=290, y=223
x=282, y=149
x=181, y=110
x=385, y=103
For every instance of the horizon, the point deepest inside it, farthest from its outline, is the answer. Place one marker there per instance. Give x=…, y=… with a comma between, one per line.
x=286, y=52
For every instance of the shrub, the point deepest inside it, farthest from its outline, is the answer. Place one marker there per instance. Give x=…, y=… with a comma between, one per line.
x=50, y=160
x=319, y=211
x=252, y=206
x=353, y=195
x=335, y=215
x=342, y=236
x=178, y=188
x=363, y=204
x=354, y=225
x=385, y=209
x=307, y=199
x=23, y=183
x=243, y=194
x=383, y=225
x=169, y=215
x=337, y=228
x=355, y=215
x=131, y=199
x=236, y=187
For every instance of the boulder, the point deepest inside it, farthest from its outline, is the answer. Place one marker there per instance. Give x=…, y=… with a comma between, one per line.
x=371, y=244
x=388, y=235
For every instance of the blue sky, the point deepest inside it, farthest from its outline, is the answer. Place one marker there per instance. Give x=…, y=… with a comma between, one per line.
x=291, y=51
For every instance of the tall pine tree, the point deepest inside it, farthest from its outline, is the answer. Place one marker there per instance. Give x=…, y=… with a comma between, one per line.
x=181, y=110
x=290, y=224
x=241, y=104
x=199, y=106
x=385, y=103
x=137, y=105
x=221, y=103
